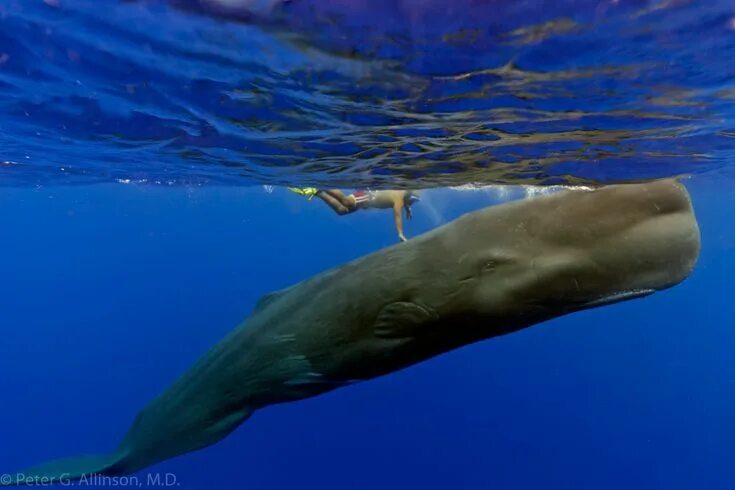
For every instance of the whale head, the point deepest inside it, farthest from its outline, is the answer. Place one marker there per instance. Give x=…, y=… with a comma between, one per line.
x=513, y=265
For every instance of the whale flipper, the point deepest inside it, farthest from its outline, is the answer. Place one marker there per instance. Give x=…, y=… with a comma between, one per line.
x=64, y=470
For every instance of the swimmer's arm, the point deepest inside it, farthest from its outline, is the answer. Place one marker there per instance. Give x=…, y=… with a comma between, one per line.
x=397, y=208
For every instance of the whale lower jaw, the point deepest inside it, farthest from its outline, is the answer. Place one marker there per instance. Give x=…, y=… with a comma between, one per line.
x=617, y=297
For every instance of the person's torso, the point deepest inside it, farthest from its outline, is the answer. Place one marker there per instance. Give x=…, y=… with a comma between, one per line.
x=384, y=199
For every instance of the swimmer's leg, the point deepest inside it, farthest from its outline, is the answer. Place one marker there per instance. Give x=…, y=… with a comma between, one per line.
x=347, y=201
x=336, y=200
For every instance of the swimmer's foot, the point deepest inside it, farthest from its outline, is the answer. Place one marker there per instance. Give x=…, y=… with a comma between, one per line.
x=309, y=192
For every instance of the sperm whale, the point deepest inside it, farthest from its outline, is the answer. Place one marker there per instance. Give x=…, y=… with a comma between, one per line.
x=488, y=273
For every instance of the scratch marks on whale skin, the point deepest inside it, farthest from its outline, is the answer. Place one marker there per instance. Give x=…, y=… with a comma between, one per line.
x=293, y=370
x=284, y=337
x=301, y=373
x=307, y=378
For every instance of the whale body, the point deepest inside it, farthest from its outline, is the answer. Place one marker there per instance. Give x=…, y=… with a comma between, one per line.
x=488, y=273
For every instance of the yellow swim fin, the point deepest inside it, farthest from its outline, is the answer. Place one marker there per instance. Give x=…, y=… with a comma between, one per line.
x=305, y=191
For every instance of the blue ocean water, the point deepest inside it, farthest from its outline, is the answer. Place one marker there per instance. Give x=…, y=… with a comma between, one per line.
x=135, y=140
x=110, y=292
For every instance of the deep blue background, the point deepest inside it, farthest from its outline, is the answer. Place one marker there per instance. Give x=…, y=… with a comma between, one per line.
x=109, y=292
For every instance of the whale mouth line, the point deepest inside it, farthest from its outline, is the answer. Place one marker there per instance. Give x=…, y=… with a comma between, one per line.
x=617, y=297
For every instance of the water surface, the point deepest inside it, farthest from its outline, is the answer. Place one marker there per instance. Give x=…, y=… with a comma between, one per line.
x=357, y=94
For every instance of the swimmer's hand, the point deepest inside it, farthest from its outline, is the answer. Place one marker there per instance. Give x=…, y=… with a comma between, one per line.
x=402, y=237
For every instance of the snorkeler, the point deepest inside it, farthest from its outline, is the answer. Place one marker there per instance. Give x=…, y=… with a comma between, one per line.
x=343, y=203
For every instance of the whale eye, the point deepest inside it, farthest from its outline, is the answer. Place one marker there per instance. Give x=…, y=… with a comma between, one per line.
x=491, y=262
x=489, y=266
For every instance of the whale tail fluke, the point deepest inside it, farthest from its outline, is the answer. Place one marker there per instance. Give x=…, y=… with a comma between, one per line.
x=63, y=471
x=142, y=447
